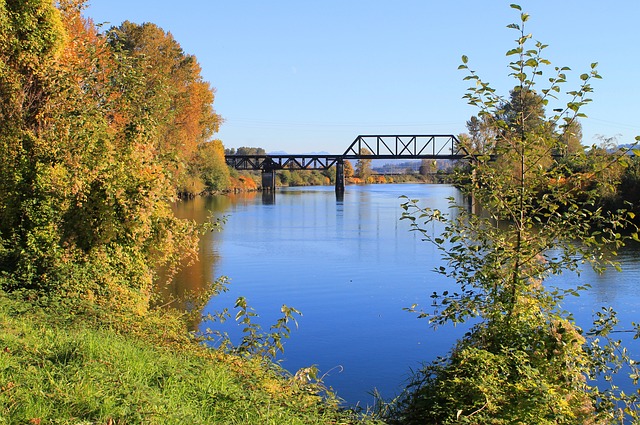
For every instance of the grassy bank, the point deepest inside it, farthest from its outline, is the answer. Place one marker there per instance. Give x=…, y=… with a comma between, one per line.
x=86, y=367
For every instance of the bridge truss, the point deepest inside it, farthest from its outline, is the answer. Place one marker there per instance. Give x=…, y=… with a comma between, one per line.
x=363, y=147
x=439, y=146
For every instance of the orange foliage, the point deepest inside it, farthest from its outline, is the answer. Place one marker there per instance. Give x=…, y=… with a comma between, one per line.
x=580, y=181
x=181, y=101
x=90, y=63
x=242, y=184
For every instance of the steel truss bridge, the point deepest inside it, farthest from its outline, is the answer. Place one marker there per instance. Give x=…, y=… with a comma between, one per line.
x=432, y=146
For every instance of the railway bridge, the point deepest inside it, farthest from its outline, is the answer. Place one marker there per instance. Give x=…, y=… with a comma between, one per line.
x=425, y=146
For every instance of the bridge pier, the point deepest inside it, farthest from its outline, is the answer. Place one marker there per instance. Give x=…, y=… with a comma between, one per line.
x=269, y=180
x=340, y=176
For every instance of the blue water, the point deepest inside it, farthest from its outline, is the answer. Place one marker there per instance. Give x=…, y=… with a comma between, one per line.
x=351, y=267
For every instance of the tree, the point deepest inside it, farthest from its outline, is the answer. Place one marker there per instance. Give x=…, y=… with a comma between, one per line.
x=523, y=113
x=363, y=165
x=211, y=166
x=481, y=137
x=428, y=167
x=244, y=150
x=32, y=38
x=524, y=360
x=348, y=169
x=522, y=117
x=572, y=139
x=330, y=174
x=84, y=195
x=176, y=97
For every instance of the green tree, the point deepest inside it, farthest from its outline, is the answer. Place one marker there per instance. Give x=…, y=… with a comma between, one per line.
x=210, y=165
x=523, y=113
x=244, y=150
x=330, y=174
x=296, y=179
x=629, y=188
x=524, y=360
x=482, y=135
x=523, y=118
x=572, y=139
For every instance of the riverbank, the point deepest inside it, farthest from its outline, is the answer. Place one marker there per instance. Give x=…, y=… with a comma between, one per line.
x=66, y=363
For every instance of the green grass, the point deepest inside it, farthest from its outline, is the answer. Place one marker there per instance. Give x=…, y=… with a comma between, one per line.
x=63, y=368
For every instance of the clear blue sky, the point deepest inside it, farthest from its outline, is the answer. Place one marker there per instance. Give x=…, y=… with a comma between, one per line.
x=308, y=76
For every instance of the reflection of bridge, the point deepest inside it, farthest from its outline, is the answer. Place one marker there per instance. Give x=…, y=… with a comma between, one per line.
x=363, y=147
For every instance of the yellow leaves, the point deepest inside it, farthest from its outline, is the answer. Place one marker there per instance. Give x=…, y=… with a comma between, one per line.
x=178, y=100
x=88, y=154
x=39, y=30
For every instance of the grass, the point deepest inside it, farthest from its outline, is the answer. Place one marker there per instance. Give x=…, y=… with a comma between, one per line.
x=86, y=367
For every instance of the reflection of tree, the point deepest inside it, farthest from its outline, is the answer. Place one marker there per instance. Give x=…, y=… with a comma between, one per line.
x=194, y=279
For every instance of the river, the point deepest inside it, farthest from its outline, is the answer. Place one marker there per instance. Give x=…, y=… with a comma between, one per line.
x=350, y=267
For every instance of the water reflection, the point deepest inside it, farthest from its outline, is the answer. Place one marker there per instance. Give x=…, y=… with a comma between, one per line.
x=194, y=279
x=351, y=266
x=269, y=197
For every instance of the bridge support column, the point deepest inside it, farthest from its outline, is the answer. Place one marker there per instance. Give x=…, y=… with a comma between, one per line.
x=269, y=180
x=340, y=176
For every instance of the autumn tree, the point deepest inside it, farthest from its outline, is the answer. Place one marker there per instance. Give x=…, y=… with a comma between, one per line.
x=348, y=169
x=85, y=197
x=179, y=99
x=32, y=38
x=363, y=165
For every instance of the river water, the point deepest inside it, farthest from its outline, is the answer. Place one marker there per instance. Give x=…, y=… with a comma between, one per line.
x=350, y=267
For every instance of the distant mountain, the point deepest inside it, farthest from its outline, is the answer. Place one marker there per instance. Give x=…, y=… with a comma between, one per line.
x=628, y=146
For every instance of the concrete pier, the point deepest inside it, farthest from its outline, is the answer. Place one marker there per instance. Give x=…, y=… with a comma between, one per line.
x=269, y=180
